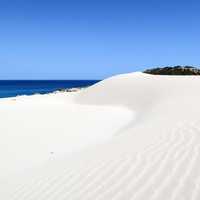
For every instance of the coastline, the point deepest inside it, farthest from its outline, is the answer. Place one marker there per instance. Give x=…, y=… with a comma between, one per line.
x=59, y=91
x=15, y=88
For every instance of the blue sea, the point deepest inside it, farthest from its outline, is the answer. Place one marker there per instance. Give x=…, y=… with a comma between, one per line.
x=12, y=88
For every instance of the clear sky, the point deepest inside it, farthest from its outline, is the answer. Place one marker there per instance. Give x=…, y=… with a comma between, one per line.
x=94, y=39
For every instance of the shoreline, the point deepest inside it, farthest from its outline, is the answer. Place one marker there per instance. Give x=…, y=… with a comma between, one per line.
x=15, y=88
x=63, y=90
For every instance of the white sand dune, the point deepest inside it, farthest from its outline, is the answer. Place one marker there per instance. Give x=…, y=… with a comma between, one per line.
x=130, y=137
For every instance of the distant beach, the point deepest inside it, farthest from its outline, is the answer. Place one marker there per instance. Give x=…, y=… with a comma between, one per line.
x=12, y=88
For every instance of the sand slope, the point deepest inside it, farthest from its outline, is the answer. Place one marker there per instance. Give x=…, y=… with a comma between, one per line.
x=147, y=128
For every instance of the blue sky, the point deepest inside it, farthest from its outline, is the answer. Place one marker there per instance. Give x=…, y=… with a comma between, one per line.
x=90, y=39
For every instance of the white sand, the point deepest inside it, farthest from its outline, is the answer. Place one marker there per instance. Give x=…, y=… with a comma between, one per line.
x=130, y=137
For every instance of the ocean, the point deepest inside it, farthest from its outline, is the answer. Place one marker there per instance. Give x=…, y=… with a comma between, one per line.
x=12, y=88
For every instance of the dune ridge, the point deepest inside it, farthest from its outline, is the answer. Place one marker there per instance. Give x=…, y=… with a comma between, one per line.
x=153, y=154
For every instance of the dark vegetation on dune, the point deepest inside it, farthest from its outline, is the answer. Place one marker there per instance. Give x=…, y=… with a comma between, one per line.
x=176, y=70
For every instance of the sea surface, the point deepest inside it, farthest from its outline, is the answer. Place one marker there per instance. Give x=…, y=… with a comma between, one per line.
x=12, y=88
